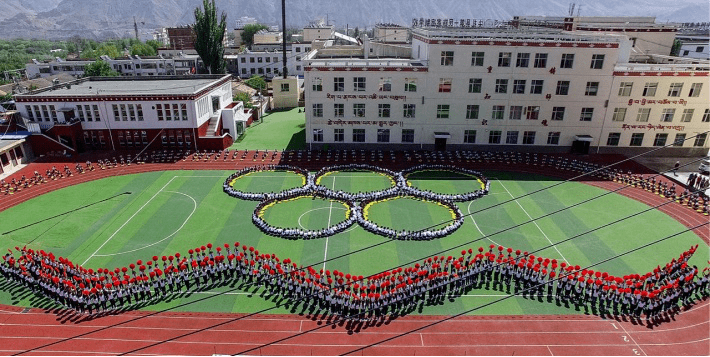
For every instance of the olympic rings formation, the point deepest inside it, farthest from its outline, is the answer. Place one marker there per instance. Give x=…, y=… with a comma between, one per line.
x=357, y=203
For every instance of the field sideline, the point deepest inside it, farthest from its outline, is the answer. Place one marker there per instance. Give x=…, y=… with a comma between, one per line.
x=174, y=211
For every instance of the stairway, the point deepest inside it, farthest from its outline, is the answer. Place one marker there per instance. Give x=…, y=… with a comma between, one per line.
x=214, y=121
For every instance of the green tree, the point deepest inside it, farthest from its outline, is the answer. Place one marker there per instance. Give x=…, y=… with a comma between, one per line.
x=142, y=49
x=209, y=37
x=249, y=31
x=155, y=44
x=256, y=82
x=356, y=32
x=245, y=98
x=676, y=47
x=99, y=69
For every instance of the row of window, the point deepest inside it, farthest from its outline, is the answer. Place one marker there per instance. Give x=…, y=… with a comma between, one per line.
x=171, y=112
x=262, y=70
x=522, y=60
x=667, y=115
x=659, y=140
x=41, y=112
x=127, y=112
x=650, y=88
x=259, y=59
x=203, y=107
x=88, y=112
x=512, y=137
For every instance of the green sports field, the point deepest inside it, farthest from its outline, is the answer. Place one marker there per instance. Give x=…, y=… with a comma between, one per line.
x=173, y=211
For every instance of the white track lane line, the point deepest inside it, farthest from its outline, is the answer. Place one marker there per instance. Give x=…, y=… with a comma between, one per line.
x=129, y=219
x=533, y=221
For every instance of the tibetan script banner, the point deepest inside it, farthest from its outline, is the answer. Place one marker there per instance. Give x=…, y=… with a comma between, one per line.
x=365, y=122
x=365, y=96
x=653, y=127
x=645, y=101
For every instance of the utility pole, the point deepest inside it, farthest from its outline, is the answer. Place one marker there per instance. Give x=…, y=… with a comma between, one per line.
x=135, y=27
x=283, y=39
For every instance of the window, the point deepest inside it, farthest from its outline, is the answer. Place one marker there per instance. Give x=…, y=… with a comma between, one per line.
x=117, y=115
x=285, y=87
x=523, y=60
x=613, y=139
x=498, y=112
x=317, y=84
x=124, y=113
x=385, y=84
x=562, y=88
x=474, y=85
x=597, y=62
x=318, y=110
x=383, y=110
x=318, y=135
x=472, y=111
x=553, y=138
x=383, y=135
x=636, y=139
x=649, y=90
x=259, y=59
x=183, y=110
x=244, y=60
x=338, y=110
x=409, y=110
x=567, y=60
x=251, y=59
x=494, y=136
x=504, y=59
x=700, y=49
x=619, y=114
x=695, y=89
x=679, y=139
x=674, y=90
x=469, y=136
x=558, y=113
x=625, y=89
x=529, y=138
x=444, y=85
x=643, y=114
x=540, y=60
x=518, y=86
x=592, y=88
x=359, y=84
x=410, y=84
x=80, y=112
x=511, y=137
x=338, y=135
x=667, y=115
x=536, y=86
x=687, y=115
x=131, y=112
x=268, y=60
x=30, y=115
x=358, y=135
x=477, y=59
x=501, y=86
x=442, y=111
x=97, y=113
x=700, y=140
x=532, y=112
x=447, y=58
x=706, y=116
x=45, y=112
x=407, y=135
x=359, y=110
x=586, y=114
x=660, y=139
x=339, y=84
x=516, y=112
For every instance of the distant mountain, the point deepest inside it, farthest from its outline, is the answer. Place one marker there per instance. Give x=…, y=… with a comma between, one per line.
x=114, y=18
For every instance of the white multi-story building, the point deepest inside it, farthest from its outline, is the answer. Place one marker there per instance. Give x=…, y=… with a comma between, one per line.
x=543, y=88
x=126, y=66
x=194, y=112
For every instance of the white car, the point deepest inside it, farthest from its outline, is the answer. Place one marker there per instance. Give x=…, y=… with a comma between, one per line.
x=705, y=166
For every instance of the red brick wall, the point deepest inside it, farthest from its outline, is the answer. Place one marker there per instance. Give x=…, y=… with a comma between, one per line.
x=41, y=145
x=202, y=130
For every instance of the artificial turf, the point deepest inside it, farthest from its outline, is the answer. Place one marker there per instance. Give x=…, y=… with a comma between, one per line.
x=173, y=211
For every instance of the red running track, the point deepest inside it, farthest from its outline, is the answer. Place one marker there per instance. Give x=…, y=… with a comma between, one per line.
x=38, y=332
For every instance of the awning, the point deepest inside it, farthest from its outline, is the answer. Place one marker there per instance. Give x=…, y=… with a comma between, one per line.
x=583, y=138
x=441, y=135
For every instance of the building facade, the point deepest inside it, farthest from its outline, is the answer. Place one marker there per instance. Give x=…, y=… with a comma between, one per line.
x=546, y=89
x=193, y=113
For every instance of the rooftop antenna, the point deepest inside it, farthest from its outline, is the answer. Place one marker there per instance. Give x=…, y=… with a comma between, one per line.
x=579, y=8
x=570, y=10
x=283, y=40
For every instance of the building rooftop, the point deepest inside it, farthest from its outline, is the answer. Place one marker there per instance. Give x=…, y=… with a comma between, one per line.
x=537, y=35
x=163, y=85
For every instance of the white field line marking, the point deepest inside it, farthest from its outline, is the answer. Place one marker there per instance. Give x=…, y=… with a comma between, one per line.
x=330, y=213
x=468, y=208
x=533, y=221
x=633, y=340
x=129, y=219
x=548, y=348
x=194, y=208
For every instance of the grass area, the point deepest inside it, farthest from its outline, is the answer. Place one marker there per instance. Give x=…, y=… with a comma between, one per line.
x=403, y=213
x=279, y=130
x=313, y=213
x=355, y=181
x=174, y=211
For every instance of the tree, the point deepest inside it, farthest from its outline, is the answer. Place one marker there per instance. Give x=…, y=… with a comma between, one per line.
x=155, y=44
x=99, y=69
x=256, y=82
x=209, y=37
x=356, y=32
x=675, y=49
x=245, y=98
x=249, y=31
x=106, y=49
x=142, y=49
